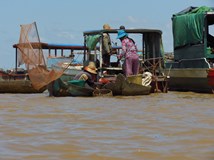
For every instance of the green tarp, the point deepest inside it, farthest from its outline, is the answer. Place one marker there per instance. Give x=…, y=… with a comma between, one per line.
x=92, y=40
x=188, y=26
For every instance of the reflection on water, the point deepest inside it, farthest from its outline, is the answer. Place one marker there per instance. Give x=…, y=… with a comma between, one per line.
x=176, y=125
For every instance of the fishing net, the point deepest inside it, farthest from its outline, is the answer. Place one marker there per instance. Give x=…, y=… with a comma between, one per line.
x=30, y=53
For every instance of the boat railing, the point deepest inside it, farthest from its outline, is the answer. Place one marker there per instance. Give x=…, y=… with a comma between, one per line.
x=153, y=65
x=14, y=76
x=197, y=59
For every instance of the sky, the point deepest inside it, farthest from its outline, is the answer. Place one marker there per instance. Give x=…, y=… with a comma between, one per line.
x=64, y=21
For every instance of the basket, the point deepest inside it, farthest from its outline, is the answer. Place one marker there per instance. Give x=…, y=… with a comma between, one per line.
x=137, y=79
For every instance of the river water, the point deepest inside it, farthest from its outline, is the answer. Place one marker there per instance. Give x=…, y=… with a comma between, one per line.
x=163, y=126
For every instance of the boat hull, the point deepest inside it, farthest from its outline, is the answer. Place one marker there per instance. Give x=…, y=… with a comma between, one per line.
x=59, y=88
x=17, y=83
x=122, y=86
x=188, y=79
x=18, y=86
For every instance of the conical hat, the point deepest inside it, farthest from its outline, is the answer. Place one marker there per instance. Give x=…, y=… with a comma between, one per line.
x=91, y=68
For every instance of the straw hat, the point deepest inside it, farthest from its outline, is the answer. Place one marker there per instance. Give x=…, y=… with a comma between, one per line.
x=121, y=33
x=106, y=26
x=91, y=68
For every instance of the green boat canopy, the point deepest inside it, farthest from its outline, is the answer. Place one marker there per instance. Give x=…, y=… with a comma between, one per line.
x=188, y=26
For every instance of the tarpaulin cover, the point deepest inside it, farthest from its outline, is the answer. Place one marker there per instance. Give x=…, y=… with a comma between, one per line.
x=188, y=26
x=92, y=40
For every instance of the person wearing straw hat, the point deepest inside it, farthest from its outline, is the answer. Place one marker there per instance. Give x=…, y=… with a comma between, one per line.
x=107, y=47
x=88, y=74
x=129, y=53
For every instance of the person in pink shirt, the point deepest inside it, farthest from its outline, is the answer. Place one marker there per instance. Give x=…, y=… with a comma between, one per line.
x=129, y=52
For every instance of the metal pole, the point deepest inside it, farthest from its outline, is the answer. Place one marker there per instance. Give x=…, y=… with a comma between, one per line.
x=16, y=60
x=84, y=54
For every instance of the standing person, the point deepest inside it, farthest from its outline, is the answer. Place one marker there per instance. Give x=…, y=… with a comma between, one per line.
x=106, y=48
x=88, y=74
x=129, y=52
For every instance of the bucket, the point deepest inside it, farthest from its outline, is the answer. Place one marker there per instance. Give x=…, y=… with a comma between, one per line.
x=137, y=79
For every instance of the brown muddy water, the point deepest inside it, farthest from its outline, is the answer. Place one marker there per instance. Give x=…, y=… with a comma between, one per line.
x=165, y=126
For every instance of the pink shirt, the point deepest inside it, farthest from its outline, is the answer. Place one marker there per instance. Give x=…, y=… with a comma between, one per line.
x=129, y=49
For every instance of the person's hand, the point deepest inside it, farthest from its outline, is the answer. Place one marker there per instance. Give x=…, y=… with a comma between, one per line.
x=118, y=57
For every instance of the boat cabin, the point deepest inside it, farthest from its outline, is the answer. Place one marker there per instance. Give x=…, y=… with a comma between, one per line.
x=193, y=35
x=150, y=48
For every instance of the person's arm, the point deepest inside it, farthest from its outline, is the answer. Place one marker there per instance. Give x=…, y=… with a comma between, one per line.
x=122, y=54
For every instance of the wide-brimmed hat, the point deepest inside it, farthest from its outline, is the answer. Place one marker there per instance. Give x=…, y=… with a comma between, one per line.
x=106, y=26
x=91, y=68
x=121, y=33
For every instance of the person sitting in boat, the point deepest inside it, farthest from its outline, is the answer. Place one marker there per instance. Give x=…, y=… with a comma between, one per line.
x=129, y=52
x=88, y=75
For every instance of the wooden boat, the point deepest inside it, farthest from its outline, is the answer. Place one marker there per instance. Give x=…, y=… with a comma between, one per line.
x=151, y=55
x=192, y=66
x=121, y=86
x=17, y=82
x=60, y=88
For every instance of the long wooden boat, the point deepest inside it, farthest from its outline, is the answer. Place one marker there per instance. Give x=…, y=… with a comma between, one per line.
x=121, y=86
x=16, y=83
x=192, y=66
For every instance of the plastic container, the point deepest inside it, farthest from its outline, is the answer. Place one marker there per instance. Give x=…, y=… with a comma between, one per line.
x=80, y=83
x=137, y=79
